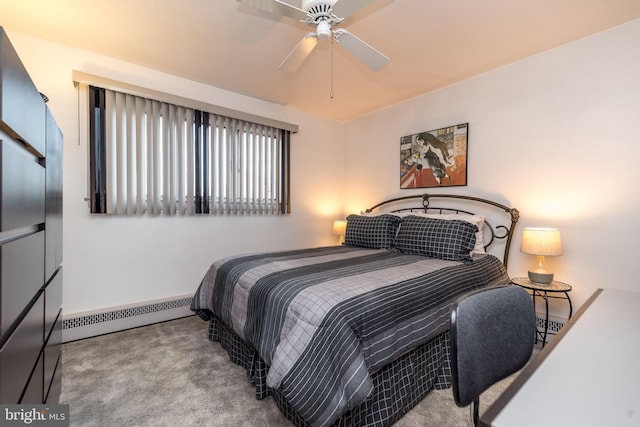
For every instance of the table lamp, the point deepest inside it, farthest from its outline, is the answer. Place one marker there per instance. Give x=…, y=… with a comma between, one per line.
x=541, y=242
x=339, y=228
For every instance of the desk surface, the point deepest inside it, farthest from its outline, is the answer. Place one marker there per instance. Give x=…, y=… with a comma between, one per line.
x=589, y=375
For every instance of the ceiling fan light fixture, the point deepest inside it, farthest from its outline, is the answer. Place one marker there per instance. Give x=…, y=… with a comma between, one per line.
x=323, y=30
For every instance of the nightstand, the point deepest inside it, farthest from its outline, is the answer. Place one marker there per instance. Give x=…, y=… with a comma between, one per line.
x=555, y=289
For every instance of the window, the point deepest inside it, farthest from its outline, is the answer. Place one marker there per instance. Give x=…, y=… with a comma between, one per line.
x=148, y=156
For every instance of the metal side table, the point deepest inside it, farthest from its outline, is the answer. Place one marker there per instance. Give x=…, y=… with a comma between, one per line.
x=545, y=292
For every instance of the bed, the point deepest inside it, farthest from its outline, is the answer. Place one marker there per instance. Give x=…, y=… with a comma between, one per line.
x=358, y=334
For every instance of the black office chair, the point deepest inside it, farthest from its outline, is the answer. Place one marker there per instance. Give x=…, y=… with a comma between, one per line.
x=492, y=334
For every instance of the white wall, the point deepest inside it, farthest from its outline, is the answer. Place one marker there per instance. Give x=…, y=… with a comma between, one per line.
x=555, y=135
x=113, y=261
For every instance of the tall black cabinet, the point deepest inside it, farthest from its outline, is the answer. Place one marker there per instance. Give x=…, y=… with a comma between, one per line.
x=30, y=238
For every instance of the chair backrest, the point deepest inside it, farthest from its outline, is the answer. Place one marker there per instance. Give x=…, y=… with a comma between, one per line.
x=492, y=335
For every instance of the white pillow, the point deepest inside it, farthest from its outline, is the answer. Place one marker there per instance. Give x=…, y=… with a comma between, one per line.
x=401, y=214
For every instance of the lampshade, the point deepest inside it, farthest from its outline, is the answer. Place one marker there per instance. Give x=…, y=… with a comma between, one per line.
x=541, y=241
x=339, y=229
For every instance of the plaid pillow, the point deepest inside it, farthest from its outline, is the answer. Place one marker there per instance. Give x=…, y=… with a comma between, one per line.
x=374, y=232
x=478, y=220
x=451, y=240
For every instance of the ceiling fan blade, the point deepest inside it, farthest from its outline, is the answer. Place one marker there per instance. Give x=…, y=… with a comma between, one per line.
x=294, y=60
x=346, y=8
x=278, y=7
x=365, y=53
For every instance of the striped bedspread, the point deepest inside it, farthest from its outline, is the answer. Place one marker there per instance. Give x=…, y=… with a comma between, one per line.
x=323, y=319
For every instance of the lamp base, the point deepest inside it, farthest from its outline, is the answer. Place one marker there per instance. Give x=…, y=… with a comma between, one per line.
x=540, y=278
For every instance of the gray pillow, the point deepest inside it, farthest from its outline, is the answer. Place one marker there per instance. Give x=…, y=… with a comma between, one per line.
x=451, y=240
x=373, y=232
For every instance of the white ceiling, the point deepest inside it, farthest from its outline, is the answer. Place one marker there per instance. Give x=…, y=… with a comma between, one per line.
x=431, y=43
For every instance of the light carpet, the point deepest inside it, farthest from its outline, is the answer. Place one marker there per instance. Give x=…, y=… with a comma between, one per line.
x=170, y=374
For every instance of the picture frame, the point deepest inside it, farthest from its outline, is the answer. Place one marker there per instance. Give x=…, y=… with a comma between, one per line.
x=435, y=158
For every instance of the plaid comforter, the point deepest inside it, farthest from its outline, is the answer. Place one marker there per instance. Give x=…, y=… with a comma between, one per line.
x=323, y=319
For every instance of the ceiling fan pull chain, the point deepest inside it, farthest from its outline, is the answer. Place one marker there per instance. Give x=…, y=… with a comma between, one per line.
x=331, y=93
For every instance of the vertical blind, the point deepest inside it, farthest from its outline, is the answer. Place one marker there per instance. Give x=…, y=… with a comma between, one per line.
x=154, y=157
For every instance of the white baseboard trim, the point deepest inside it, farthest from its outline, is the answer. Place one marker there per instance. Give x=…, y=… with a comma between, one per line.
x=76, y=326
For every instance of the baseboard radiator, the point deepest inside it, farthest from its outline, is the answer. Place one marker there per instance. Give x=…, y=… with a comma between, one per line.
x=555, y=324
x=87, y=324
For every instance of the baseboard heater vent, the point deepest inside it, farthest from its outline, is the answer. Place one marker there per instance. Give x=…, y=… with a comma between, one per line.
x=88, y=324
x=554, y=327
x=77, y=326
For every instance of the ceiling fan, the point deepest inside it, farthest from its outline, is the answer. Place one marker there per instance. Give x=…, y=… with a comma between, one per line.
x=325, y=16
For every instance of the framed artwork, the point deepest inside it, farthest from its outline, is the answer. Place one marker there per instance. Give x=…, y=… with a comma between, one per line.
x=435, y=158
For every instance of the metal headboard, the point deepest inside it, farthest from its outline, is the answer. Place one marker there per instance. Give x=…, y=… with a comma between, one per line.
x=500, y=232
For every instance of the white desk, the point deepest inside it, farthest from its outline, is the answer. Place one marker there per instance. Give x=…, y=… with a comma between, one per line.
x=589, y=375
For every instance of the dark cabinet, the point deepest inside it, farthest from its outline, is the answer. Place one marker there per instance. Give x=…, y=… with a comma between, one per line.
x=30, y=238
